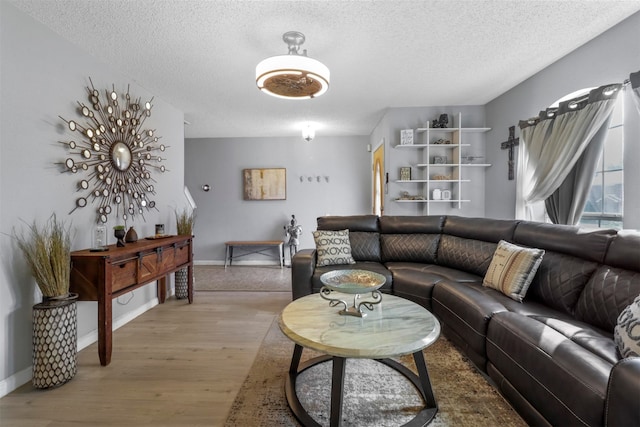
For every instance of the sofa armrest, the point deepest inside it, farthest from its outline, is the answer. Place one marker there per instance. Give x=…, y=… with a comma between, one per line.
x=623, y=394
x=303, y=264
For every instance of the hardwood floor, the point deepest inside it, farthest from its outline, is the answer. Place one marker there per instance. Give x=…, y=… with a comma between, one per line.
x=175, y=365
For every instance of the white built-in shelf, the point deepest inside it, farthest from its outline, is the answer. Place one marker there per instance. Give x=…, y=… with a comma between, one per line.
x=480, y=165
x=432, y=180
x=431, y=145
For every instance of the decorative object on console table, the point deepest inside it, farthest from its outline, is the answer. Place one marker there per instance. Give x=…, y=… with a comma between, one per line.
x=406, y=137
x=436, y=194
x=55, y=339
x=405, y=174
x=184, y=225
x=509, y=144
x=131, y=235
x=118, y=232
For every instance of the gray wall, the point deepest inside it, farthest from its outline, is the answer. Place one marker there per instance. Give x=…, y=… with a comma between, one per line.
x=42, y=76
x=609, y=58
x=223, y=215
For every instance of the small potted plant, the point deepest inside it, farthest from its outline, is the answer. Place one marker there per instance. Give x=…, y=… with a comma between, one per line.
x=184, y=224
x=47, y=250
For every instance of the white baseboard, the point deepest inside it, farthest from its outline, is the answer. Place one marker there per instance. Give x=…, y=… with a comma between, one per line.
x=20, y=378
x=247, y=262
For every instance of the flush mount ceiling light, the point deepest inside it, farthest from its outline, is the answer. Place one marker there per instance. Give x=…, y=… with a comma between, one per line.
x=295, y=75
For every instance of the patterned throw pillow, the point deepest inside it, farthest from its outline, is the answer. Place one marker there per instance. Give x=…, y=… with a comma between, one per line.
x=627, y=331
x=333, y=247
x=512, y=269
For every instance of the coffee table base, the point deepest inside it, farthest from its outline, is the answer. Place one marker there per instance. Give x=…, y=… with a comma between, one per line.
x=420, y=381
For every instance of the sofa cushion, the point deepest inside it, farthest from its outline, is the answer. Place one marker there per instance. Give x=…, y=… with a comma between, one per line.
x=444, y=272
x=470, y=255
x=350, y=222
x=485, y=229
x=627, y=331
x=394, y=224
x=466, y=309
x=333, y=247
x=414, y=285
x=606, y=294
x=512, y=269
x=561, y=378
x=560, y=281
x=409, y=247
x=365, y=246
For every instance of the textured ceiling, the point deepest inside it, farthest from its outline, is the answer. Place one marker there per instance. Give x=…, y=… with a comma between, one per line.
x=200, y=55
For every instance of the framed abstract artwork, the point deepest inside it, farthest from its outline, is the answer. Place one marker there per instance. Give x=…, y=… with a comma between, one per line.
x=265, y=184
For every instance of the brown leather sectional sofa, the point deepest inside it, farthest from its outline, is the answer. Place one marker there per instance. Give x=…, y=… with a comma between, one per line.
x=553, y=355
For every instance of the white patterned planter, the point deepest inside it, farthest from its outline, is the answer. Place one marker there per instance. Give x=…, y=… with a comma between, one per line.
x=182, y=283
x=55, y=341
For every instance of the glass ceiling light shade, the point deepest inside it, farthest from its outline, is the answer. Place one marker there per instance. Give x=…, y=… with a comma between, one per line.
x=295, y=75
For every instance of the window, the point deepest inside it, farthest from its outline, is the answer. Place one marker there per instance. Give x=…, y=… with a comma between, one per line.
x=604, y=208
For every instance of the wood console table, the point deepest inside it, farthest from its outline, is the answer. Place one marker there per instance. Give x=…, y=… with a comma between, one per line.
x=103, y=276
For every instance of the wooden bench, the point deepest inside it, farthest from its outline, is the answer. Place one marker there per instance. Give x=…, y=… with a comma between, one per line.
x=263, y=247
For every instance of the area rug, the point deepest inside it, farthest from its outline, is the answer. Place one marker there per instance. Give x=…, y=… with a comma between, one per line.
x=241, y=278
x=375, y=395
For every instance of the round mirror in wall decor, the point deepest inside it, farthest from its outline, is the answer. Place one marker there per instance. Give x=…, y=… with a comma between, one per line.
x=114, y=153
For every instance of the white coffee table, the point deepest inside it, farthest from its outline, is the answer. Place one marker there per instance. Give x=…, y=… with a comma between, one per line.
x=393, y=328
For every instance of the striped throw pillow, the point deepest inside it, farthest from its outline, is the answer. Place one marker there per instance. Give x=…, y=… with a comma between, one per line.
x=512, y=269
x=333, y=247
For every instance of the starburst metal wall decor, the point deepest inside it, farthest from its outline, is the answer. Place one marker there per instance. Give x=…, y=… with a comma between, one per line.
x=115, y=153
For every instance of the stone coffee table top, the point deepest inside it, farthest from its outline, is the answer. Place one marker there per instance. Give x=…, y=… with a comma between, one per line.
x=395, y=327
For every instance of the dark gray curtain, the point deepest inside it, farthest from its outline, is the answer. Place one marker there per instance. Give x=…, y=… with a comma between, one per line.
x=555, y=160
x=634, y=78
x=566, y=204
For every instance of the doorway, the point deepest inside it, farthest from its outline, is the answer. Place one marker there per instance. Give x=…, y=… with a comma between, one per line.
x=378, y=180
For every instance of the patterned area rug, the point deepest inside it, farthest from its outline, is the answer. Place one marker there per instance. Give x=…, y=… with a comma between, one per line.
x=242, y=278
x=375, y=395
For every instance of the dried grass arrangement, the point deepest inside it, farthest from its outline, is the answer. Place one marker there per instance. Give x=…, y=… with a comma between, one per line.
x=47, y=250
x=185, y=221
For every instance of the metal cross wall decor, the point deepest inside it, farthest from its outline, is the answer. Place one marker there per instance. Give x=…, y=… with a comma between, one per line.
x=509, y=144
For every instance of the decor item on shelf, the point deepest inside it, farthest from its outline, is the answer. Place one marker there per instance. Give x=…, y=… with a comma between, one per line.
x=406, y=196
x=442, y=141
x=467, y=160
x=185, y=221
x=406, y=137
x=405, y=174
x=440, y=122
x=116, y=154
x=440, y=177
x=295, y=75
x=308, y=132
x=446, y=194
x=131, y=235
x=47, y=251
x=119, y=233
x=436, y=194
x=159, y=229
x=440, y=160
x=508, y=145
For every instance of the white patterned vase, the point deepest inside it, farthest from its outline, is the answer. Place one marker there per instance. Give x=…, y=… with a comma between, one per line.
x=55, y=341
x=182, y=282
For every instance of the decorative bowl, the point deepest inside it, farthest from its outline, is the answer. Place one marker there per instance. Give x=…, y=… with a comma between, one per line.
x=352, y=281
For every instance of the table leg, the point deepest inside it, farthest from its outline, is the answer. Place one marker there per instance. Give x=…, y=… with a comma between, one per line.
x=162, y=289
x=425, y=382
x=337, y=390
x=190, y=283
x=104, y=330
x=226, y=255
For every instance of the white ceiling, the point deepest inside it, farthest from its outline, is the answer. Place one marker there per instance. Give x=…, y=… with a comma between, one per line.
x=200, y=55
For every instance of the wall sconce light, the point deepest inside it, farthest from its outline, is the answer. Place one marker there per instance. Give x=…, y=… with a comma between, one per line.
x=308, y=132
